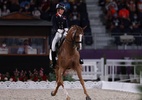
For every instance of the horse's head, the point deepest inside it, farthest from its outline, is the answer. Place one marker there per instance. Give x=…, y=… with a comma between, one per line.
x=75, y=35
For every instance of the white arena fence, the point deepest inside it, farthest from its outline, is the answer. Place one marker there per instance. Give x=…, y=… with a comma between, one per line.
x=94, y=69
x=91, y=69
x=113, y=71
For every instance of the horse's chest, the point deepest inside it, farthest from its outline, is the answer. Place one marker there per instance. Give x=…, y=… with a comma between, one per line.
x=72, y=62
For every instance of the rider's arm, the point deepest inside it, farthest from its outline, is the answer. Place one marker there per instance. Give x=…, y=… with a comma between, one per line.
x=54, y=23
x=66, y=25
x=66, y=28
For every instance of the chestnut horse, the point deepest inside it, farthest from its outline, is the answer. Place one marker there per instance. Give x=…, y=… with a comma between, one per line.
x=68, y=58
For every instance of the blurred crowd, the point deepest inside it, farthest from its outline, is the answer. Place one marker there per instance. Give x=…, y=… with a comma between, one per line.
x=23, y=75
x=75, y=12
x=44, y=9
x=123, y=17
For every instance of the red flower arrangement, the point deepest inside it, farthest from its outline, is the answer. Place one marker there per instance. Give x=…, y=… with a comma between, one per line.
x=24, y=76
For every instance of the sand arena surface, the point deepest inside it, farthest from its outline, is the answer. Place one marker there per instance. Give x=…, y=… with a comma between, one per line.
x=75, y=94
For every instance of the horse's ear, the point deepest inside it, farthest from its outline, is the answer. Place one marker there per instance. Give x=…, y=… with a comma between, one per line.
x=84, y=27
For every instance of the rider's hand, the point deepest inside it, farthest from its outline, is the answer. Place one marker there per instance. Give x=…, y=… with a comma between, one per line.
x=66, y=31
x=60, y=31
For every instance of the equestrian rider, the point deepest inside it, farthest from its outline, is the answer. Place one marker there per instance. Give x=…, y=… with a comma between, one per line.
x=60, y=27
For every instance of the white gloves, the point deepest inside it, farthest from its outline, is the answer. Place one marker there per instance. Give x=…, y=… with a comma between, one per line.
x=66, y=31
x=60, y=31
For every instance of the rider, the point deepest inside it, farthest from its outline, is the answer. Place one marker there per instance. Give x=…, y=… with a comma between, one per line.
x=60, y=27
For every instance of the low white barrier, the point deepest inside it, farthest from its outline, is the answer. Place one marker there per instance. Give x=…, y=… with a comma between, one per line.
x=47, y=85
x=119, y=86
x=112, y=65
x=91, y=69
x=96, y=69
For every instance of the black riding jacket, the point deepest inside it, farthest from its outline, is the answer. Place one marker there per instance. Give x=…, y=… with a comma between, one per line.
x=59, y=22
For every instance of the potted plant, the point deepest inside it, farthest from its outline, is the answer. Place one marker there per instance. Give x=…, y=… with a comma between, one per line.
x=66, y=77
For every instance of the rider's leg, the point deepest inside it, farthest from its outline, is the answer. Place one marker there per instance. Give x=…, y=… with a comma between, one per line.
x=81, y=61
x=55, y=40
x=53, y=58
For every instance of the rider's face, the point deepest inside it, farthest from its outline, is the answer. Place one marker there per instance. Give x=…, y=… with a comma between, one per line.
x=61, y=11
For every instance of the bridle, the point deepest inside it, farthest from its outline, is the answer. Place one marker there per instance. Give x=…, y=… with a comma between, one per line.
x=73, y=40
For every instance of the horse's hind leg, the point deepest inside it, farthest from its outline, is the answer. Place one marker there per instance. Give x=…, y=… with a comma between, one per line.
x=79, y=73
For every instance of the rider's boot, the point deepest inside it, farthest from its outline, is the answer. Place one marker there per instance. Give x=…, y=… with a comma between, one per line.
x=53, y=59
x=81, y=61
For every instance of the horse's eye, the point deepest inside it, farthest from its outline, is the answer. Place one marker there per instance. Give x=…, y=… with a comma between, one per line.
x=77, y=36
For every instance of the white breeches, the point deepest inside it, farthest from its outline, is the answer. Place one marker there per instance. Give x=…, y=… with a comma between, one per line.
x=57, y=37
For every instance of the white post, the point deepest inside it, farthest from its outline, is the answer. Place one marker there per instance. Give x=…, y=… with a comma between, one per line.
x=113, y=72
x=102, y=69
x=140, y=77
x=106, y=73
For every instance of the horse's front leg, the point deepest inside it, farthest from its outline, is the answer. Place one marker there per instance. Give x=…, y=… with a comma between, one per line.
x=59, y=81
x=79, y=73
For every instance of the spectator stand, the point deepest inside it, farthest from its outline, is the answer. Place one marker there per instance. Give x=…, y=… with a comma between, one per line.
x=44, y=9
x=17, y=26
x=123, y=17
x=24, y=20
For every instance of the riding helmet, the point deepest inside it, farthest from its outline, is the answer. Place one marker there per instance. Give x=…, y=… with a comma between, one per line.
x=60, y=6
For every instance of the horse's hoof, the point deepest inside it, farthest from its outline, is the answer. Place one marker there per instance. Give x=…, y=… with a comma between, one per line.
x=88, y=98
x=68, y=98
x=52, y=93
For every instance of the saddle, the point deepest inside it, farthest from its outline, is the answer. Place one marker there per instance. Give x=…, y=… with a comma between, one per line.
x=59, y=43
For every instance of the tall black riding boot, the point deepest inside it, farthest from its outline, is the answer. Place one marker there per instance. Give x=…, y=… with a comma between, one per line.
x=53, y=59
x=81, y=61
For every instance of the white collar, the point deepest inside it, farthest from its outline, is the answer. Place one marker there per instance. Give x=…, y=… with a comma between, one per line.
x=59, y=14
